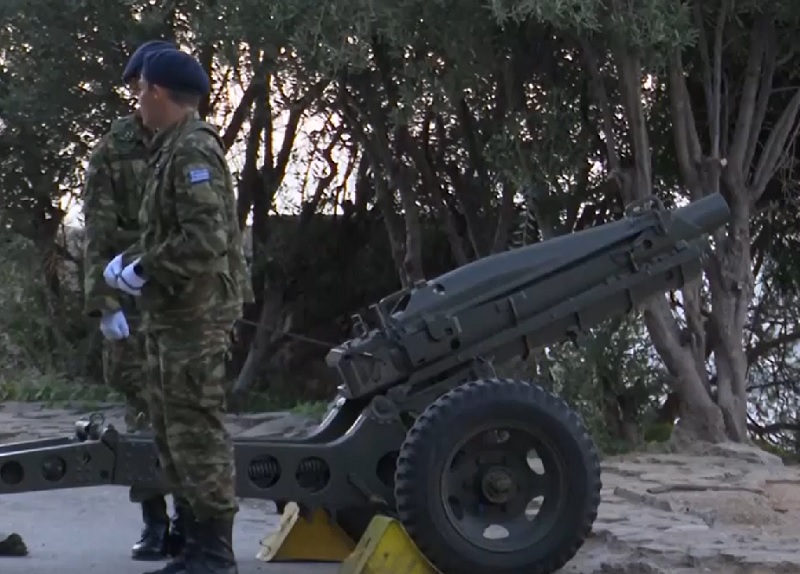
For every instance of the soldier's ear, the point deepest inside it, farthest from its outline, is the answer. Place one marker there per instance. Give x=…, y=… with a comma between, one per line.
x=157, y=92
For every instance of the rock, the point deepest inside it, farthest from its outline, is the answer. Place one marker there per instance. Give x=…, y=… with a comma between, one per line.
x=688, y=528
x=643, y=498
x=636, y=567
x=702, y=487
x=12, y=545
x=746, y=453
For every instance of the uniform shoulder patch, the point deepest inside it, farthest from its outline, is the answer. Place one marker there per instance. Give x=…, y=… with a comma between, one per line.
x=199, y=175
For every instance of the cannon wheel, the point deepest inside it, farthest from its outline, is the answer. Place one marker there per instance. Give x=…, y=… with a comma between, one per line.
x=498, y=476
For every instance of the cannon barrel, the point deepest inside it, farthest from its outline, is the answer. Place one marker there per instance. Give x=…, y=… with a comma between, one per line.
x=702, y=216
x=502, y=305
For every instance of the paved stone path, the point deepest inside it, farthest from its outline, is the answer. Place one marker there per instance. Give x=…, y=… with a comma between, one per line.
x=722, y=510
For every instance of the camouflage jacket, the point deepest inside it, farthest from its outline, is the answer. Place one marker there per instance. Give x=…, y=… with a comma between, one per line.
x=191, y=245
x=112, y=195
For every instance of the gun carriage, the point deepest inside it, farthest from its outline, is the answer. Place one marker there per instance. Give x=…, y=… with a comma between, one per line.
x=423, y=428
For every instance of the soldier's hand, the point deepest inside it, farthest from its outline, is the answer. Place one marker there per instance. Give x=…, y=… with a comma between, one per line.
x=114, y=326
x=112, y=271
x=130, y=281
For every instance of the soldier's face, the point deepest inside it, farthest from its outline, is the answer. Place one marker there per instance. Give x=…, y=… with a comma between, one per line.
x=149, y=104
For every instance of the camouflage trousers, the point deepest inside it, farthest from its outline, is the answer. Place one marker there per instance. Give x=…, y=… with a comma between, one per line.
x=187, y=409
x=125, y=371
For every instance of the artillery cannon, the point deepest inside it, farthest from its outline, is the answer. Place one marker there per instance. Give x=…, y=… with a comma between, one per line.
x=423, y=428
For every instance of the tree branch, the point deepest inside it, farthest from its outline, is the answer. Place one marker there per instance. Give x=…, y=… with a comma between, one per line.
x=747, y=102
x=679, y=102
x=715, y=110
x=760, y=349
x=240, y=114
x=600, y=97
x=296, y=111
x=775, y=148
x=630, y=72
x=764, y=93
x=432, y=180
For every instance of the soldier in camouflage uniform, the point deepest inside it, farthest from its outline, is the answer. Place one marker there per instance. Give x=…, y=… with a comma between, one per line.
x=112, y=196
x=188, y=272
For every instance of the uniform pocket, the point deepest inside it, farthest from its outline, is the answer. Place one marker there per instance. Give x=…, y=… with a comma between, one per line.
x=192, y=361
x=198, y=300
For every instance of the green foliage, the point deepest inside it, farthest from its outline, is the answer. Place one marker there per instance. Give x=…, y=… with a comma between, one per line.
x=645, y=24
x=52, y=113
x=613, y=378
x=24, y=312
x=658, y=432
x=53, y=389
x=311, y=409
x=788, y=456
x=41, y=332
x=263, y=402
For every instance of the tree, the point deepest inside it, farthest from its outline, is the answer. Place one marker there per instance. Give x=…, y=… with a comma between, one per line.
x=721, y=143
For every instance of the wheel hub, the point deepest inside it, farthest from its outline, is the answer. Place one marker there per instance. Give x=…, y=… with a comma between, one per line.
x=499, y=485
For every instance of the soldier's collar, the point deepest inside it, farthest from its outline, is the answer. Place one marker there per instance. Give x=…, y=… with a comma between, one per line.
x=146, y=133
x=166, y=135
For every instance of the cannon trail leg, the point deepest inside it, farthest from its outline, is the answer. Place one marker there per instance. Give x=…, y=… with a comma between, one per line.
x=32, y=467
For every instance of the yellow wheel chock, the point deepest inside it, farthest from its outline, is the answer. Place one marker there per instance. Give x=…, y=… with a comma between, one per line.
x=300, y=539
x=384, y=548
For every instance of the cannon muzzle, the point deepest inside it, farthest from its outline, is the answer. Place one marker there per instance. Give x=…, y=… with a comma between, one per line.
x=701, y=217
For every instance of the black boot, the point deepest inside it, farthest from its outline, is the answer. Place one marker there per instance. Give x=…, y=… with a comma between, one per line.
x=152, y=544
x=177, y=531
x=187, y=526
x=214, y=552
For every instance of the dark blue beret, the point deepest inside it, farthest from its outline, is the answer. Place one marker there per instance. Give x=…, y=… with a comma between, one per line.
x=134, y=67
x=176, y=70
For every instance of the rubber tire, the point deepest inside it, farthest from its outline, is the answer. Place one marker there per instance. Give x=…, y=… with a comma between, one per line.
x=451, y=418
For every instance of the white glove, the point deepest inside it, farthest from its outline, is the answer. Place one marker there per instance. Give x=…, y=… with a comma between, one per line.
x=129, y=281
x=114, y=326
x=112, y=271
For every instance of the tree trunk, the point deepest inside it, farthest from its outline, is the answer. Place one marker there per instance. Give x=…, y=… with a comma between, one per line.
x=731, y=284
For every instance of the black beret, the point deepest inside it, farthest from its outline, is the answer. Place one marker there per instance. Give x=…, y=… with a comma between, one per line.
x=134, y=67
x=176, y=70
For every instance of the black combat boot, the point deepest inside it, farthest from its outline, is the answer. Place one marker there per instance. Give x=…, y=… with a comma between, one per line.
x=177, y=531
x=186, y=524
x=214, y=552
x=153, y=543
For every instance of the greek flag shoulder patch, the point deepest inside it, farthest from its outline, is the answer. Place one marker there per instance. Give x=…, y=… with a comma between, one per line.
x=199, y=175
